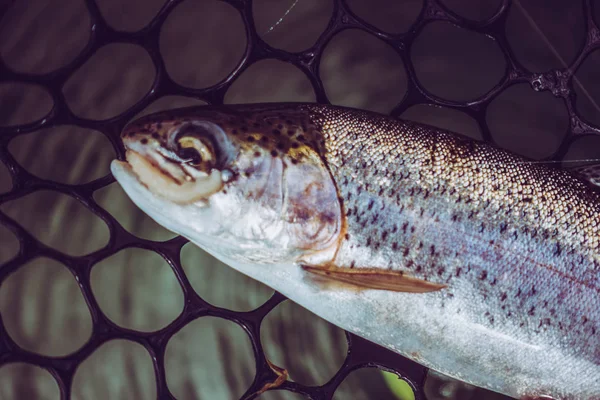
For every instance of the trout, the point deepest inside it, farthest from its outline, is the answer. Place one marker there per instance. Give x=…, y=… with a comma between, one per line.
x=459, y=255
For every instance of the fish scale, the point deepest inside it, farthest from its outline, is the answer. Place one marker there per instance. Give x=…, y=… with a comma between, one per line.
x=523, y=237
x=429, y=184
x=512, y=246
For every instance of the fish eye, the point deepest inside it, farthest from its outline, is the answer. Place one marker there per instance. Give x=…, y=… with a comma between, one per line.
x=201, y=144
x=195, y=148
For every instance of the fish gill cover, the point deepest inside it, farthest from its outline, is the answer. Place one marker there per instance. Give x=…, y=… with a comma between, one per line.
x=54, y=95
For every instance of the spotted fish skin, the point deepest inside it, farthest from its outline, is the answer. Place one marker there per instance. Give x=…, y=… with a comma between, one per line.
x=515, y=243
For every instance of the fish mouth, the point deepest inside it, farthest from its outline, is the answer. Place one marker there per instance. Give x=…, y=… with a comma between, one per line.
x=169, y=177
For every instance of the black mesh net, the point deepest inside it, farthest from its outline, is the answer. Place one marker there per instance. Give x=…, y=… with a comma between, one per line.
x=361, y=353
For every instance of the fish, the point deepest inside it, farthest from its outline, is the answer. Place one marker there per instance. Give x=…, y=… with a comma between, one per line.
x=464, y=257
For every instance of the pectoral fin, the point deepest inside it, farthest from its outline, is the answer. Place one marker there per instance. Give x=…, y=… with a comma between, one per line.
x=374, y=278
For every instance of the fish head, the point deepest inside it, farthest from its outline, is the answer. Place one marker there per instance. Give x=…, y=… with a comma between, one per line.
x=250, y=186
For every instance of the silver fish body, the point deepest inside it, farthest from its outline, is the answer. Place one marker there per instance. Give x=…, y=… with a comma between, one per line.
x=515, y=243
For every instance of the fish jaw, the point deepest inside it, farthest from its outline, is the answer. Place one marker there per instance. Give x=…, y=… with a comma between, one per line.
x=165, y=212
x=204, y=220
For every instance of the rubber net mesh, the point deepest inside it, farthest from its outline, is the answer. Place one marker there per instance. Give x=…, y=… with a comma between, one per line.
x=360, y=352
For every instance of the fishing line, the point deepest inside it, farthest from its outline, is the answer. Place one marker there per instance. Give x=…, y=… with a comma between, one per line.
x=591, y=160
x=552, y=161
x=282, y=17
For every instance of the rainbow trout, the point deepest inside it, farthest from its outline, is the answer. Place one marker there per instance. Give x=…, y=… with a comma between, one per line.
x=461, y=256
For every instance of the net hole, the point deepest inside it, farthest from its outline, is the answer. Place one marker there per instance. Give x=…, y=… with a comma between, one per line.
x=527, y=122
x=209, y=358
x=292, y=31
x=119, y=369
x=474, y=10
x=112, y=80
x=137, y=290
x=66, y=154
x=389, y=16
x=344, y=66
x=10, y=244
x=129, y=15
x=43, y=309
x=25, y=381
x=23, y=103
x=169, y=103
x=364, y=383
x=219, y=284
x=587, y=87
x=59, y=221
x=33, y=34
x=544, y=38
x=311, y=349
x=188, y=41
x=583, y=148
x=270, y=81
x=455, y=63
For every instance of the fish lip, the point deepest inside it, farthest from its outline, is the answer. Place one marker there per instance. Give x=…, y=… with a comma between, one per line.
x=153, y=163
x=157, y=189
x=163, y=159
